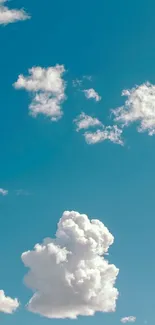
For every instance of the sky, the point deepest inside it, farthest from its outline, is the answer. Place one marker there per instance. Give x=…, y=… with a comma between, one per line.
x=77, y=127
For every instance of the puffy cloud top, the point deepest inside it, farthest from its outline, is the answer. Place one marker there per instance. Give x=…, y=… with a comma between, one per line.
x=69, y=274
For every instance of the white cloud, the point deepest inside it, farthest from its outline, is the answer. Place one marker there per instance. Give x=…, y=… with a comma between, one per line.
x=129, y=319
x=3, y=192
x=91, y=93
x=111, y=133
x=139, y=107
x=69, y=274
x=7, y=304
x=48, y=90
x=84, y=121
x=8, y=16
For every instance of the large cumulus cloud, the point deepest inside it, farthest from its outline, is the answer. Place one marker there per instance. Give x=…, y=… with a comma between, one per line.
x=69, y=274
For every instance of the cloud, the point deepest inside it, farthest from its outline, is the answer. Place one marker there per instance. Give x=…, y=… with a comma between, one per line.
x=8, y=16
x=88, y=77
x=91, y=93
x=78, y=82
x=22, y=192
x=3, y=192
x=69, y=274
x=7, y=304
x=48, y=90
x=129, y=319
x=139, y=107
x=111, y=133
x=84, y=121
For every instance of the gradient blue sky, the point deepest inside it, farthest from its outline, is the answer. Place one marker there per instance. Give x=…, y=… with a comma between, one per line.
x=114, y=42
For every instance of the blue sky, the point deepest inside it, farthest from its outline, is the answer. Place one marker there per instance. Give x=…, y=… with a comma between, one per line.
x=53, y=165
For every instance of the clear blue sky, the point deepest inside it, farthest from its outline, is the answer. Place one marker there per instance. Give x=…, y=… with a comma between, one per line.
x=114, y=42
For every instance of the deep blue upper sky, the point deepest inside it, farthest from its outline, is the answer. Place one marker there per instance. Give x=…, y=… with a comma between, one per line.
x=114, y=42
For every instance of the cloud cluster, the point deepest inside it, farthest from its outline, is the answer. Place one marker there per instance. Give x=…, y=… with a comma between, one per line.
x=69, y=274
x=3, y=192
x=92, y=94
x=111, y=133
x=8, y=16
x=129, y=319
x=7, y=304
x=48, y=90
x=139, y=107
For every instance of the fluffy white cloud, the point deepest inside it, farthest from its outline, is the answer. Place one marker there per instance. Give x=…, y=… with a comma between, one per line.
x=84, y=121
x=3, y=192
x=91, y=93
x=139, y=107
x=8, y=16
x=7, y=304
x=129, y=319
x=48, y=90
x=69, y=274
x=111, y=133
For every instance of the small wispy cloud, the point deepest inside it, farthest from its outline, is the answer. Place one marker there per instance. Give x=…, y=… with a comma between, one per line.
x=79, y=82
x=84, y=121
x=129, y=319
x=3, y=192
x=7, y=304
x=22, y=192
x=88, y=77
x=8, y=16
x=92, y=94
